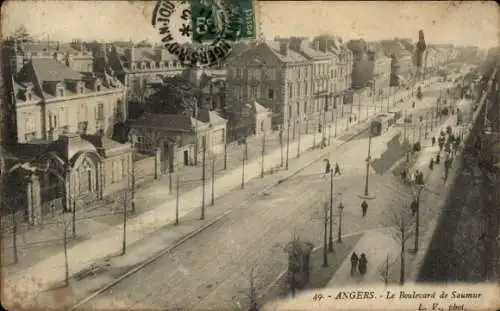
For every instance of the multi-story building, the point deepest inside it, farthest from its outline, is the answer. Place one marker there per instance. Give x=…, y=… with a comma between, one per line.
x=136, y=67
x=64, y=122
x=278, y=77
x=382, y=75
x=403, y=62
x=74, y=55
x=342, y=63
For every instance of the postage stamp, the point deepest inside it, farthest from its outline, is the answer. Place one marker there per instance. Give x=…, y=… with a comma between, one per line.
x=200, y=32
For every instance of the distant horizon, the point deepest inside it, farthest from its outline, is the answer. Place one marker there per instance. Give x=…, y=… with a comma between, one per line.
x=468, y=24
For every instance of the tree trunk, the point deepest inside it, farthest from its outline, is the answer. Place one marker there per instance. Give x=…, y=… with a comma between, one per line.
x=66, y=265
x=402, y=270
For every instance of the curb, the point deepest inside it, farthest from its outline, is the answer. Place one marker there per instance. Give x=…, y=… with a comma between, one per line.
x=150, y=260
x=192, y=234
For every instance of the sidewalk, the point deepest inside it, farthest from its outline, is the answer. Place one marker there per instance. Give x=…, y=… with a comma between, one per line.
x=107, y=243
x=380, y=244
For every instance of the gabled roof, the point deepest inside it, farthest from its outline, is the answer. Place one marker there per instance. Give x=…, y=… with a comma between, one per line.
x=51, y=70
x=170, y=122
x=290, y=58
x=207, y=116
x=259, y=108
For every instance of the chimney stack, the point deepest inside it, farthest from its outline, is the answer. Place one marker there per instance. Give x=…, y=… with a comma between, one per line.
x=284, y=48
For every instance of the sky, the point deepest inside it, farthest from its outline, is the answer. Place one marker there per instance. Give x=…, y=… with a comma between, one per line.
x=470, y=23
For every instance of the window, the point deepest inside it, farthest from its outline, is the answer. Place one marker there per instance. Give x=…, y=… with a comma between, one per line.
x=238, y=73
x=99, y=116
x=253, y=92
x=305, y=108
x=306, y=72
x=29, y=122
x=298, y=110
x=270, y=93
x=299, y=89
x=82, y=127
x=298, y=72
x=262, y=129
x=305, y=88
x=290, y=89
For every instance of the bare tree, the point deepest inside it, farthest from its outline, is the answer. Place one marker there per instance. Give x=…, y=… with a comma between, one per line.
x=403, y=227
x=384, y=268
x=64, y=222
x=252, y=294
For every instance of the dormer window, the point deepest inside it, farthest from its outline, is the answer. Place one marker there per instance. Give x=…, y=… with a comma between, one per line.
x=167, y=64
x=143, y=65
x=80, y=89
x=152, y=64
x=162, y=65
x=133, y=66
x=29, y=97
x=60, y=92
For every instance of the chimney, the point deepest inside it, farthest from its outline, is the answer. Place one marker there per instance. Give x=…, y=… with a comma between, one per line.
x=130, y=54
x=323, y=46
x=284, y=48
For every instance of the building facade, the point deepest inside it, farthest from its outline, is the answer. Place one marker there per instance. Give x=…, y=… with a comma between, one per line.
x=64, y=120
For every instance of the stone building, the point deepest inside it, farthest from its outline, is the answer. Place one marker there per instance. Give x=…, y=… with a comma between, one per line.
x=136, y=67
x=288, y=76
x=64, y=156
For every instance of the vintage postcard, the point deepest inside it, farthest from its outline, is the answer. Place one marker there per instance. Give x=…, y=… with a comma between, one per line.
x=250, y=155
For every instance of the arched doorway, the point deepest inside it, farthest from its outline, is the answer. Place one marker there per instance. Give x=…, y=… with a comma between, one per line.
x=85, y=177
x=52, y=185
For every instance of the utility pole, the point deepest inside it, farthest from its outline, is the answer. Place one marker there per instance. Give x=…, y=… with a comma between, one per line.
x=203, y=177
x=325, y=236
x=243, y=167
x=330, y=238
x=225, y=153
x=213, y=182
x=177, y=193
x=263, y=154
x=368, y=161
x=417, y=220
x=124, y=240
x=132, y=188
x=281, y=145
x=298, y=143
x=14, y=233
x=287, y=143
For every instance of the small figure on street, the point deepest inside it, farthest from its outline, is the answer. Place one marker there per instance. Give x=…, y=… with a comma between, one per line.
x=431, y=164
x=354, y=263
x=433, y=140
x=419, y=178
x=364, y=207
x=323, y=143
x=337, y=170
x=442, y=132
x=403, y=175
x=438, y=158
x=362, y=264
x=328, y=167
x=414, y=207
x=350, y=119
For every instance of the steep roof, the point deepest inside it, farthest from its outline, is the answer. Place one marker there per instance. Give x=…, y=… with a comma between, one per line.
x=51, y=70
x=207, y=116
x=291, y=57
x=171, y=122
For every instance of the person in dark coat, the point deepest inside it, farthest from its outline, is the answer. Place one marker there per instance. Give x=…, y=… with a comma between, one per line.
x=433, y=140
x=350, y=120
x=438, y=158
x=328, y=167
x=403, y=175
x=362, y=263
x=364, y=207
x=337, y=170
x=354, y=262
x=431, y=164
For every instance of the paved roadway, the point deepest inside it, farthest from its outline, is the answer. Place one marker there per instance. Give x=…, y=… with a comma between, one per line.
x=207, y=271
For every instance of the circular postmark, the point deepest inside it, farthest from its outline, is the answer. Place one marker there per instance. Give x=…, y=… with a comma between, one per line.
x=198, y=32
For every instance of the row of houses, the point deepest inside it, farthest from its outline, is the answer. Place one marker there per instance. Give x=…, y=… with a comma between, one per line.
x=79, y=117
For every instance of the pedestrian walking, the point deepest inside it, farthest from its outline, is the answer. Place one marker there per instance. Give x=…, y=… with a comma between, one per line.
x=438, y=158
x=362, y=264
x=364, y=207
x=431, y=164
x=328, y=167
x=337, y=170
x=350, y=119
x=354, y=262
x=403, y=175
x=414, y=207
x=433, y=140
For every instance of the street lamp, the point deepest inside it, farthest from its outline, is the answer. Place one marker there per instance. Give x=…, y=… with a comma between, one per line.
x=341, y=210
x=366, y=195
x=417, y=190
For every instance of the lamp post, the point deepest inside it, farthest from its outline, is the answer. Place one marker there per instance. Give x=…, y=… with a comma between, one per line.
x=418, y=190
x=368, y=162
x=298, y=140
x=330, y=238
x=341, y=210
